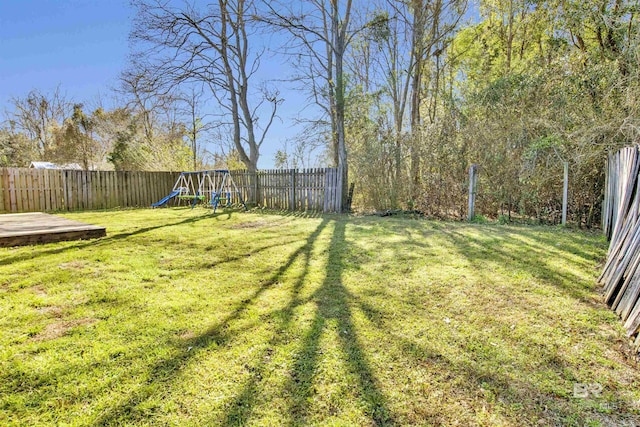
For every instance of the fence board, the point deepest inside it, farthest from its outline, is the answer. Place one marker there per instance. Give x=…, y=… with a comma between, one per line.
x=20, y=188
x=4, y=188
x=40, y=180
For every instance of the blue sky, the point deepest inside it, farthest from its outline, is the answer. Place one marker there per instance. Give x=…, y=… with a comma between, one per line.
x=80, y=45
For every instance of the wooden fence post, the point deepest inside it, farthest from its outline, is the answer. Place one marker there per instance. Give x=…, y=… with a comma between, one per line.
x=473, y=180
x=253, y=184
x=565, y=193
x=292, y=191
x=65, y=191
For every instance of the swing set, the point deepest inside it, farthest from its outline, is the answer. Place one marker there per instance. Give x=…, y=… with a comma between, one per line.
x=214, y=187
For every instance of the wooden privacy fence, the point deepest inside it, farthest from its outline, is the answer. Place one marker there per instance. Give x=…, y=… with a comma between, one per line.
x=621, y=223
x=315, y=189
x=35, y=190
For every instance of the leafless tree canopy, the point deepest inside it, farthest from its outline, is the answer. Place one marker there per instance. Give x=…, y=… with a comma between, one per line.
x=212, y=46
x=38, y=114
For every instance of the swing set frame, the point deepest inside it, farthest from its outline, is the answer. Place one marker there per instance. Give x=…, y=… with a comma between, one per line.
x=214, y=187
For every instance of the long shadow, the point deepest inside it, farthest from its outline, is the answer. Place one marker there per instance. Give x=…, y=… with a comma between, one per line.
x=332, y=304
x=477, y=252
x=242, y=405
x=166, y=370
x=180, y=342
x=101, y=241
x=532, y=233
x=471, y=374
x=512, y=251
x=288, y=213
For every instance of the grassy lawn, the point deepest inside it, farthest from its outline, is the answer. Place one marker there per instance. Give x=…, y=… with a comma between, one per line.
x=179, y=317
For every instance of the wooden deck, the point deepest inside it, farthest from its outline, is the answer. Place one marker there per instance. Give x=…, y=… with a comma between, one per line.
x=33, y=228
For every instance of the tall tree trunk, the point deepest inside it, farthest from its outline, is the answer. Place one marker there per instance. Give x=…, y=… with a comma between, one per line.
x=417, y=52
x=340, y=48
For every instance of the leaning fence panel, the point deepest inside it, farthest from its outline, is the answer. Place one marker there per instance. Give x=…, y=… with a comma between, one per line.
x=621, y=223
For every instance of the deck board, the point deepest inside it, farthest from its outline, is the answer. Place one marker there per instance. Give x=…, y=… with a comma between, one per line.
x=34, y=228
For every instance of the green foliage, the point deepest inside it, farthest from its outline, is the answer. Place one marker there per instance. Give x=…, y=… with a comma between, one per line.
x=543, y=84
x=480, y=219
x=162, y=149
x=281, y=160
x=230, y=160
x=74, y=141
x=372, y=149
x=378, y=27
x=128, y=153
x=530, y=85
x=122, y=138
x=16, y=149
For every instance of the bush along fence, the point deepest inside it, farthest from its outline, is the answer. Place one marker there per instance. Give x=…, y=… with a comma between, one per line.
x=621, y=223
x=37, y=190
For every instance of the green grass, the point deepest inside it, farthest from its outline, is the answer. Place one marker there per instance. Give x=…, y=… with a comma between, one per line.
x=179, y=317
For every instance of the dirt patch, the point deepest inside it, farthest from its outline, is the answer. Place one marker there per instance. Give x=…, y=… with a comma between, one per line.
x=73, y=265
x=51, y=310
x=187, y=335
x=39, y=290
x=57, y=329
x=252, y=224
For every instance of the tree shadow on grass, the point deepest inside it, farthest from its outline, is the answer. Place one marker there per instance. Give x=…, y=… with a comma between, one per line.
x=474, y=371
x=332, y=304
x=242, y=405
x=518, y=256
x=289, y=213
x=471, y=364
x=167, y=370
x=331, y=300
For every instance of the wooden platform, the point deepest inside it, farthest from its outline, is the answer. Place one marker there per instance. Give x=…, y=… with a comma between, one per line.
x=33, y=228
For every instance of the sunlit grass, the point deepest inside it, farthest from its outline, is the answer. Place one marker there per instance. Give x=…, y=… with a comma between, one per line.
x=179, y=317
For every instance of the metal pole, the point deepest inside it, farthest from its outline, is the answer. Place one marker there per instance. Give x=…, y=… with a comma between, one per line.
x=565, y=193
x=472, y=192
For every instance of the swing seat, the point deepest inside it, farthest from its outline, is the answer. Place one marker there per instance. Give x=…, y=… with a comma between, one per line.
x=217, y=199
x=190, y=197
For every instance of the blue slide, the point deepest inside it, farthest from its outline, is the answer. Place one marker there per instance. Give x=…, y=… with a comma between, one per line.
x=165, y=199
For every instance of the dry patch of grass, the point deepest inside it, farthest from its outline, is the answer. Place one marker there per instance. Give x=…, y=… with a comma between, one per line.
x=60, y=328
x=253, y=224
x=51, y=311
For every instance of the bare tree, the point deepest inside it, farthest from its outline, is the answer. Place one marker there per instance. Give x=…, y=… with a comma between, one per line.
x=395, y=63
x=38, y=115
x=432, y=23
x=145, y=99
x=210, y=46
x=322, y=32
x=195, y=120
